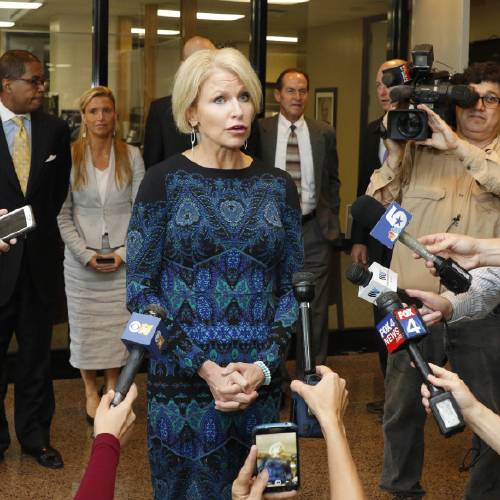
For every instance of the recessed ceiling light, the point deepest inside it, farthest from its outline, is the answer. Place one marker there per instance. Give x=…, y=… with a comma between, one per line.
x=142, y=31
x=6, y=24
x=168, y=32
x=203, y=16
x=20, y=5
x=275, y=2
x=285, y=39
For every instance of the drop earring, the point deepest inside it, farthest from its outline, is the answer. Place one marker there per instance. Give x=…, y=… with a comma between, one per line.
x=245, y=145
x=192, y=137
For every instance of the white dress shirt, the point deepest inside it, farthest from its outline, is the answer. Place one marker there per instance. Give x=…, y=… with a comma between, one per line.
x=308, y=201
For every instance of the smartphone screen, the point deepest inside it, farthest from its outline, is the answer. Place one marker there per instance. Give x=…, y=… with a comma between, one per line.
x=105, y=260
x=277, y=451
x=15, y=223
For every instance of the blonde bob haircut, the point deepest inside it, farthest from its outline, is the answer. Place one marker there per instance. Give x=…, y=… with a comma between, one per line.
x=195, y=70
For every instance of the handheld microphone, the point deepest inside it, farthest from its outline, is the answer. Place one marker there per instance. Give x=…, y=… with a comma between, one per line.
x=368, y=212
x=303, y=289
x=141, y=335
x=376, y=280
x=402, y=328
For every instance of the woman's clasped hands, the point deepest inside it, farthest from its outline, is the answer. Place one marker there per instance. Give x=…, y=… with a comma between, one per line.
x=233, y=387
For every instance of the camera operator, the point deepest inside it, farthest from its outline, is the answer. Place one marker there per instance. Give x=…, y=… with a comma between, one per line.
x=449, y=182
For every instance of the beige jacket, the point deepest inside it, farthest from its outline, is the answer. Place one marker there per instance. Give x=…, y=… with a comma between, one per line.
x=444, y=194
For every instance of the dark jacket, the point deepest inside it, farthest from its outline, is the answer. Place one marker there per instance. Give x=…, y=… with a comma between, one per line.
x=162, y=139
x=47, y=189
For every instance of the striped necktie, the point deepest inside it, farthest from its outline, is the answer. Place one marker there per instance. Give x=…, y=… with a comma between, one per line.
x=21, y=153
x=293, y=158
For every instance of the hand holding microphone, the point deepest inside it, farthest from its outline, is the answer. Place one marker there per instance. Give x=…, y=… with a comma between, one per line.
x=469, y=252
x=141, y=335
x=384, y=227
x=402, y=328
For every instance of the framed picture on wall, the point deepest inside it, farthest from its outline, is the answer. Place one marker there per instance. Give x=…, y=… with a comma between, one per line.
x=271, y=106
x=325, y=105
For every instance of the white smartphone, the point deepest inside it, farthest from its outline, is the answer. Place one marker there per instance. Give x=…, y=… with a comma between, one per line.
x=17, y=222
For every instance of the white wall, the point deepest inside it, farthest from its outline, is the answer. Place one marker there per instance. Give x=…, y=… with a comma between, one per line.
x=444, y=24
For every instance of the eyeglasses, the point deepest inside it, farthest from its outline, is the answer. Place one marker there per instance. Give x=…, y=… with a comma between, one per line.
x=35, y=82
x=490, y=100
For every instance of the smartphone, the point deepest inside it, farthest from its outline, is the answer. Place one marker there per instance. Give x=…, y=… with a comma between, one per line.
x=278, y=452
x=105, y=260
x=17, y=222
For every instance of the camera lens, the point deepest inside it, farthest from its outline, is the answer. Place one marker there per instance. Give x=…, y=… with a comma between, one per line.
x=411, y=124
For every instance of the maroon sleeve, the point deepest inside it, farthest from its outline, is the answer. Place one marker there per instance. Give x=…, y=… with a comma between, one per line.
x=98, y=483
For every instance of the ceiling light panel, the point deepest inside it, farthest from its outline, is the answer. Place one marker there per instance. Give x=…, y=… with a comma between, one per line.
x=20, y=5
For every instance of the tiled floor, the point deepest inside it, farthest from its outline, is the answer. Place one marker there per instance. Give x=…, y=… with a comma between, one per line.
x=22, y=478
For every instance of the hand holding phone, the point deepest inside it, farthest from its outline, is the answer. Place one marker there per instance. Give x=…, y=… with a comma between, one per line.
x=105, y=263
x=248, y=487
x=278, y=453
x=16, y=223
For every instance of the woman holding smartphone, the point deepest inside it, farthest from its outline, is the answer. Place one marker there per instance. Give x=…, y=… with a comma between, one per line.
x=105, y=177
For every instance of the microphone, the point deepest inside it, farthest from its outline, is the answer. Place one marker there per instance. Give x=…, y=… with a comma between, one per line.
x=376, y=280
x=401, y=328
x=463, y=96
x=369, y=212
x=400, y=93
x=141, y=334
x=303, y=290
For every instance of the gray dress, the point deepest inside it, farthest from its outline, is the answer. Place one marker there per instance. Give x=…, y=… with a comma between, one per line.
x=96, y=301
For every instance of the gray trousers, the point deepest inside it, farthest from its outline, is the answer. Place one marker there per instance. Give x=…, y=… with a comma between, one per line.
x=473, y=349
x=317, y=252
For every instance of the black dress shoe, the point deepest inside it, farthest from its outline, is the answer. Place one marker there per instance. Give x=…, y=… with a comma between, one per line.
x=46, y=457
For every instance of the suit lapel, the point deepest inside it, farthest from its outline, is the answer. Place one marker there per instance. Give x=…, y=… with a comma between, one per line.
x=318, y=152
x=38, y=133
x=270, y=136
x=6, y=164
x=111, y=176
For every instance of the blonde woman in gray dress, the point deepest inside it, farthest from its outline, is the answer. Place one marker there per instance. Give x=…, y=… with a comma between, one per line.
x=93, y=222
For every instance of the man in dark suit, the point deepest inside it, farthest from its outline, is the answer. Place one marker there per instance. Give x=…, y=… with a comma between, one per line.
x=35, y=163
x=307, y=149
x=366, y=249
x=161, y=137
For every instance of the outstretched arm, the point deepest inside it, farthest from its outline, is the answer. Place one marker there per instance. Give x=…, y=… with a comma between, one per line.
x=484, y=422
x=328, y=401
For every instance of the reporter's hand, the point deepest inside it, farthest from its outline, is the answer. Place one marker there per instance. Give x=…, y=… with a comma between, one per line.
x=229, y=392
x=443, y=137
x=116, y=420
x=327, y=399
x=435, y=307
x=359, y=254
x=450, y=382
x=463, y=249
x=5, y=247
x=248, y=487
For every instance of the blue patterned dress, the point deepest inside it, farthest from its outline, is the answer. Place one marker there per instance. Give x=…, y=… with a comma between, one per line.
x=217, y=250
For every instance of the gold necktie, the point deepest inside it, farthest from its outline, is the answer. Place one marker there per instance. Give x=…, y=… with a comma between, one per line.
x=21, y=153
